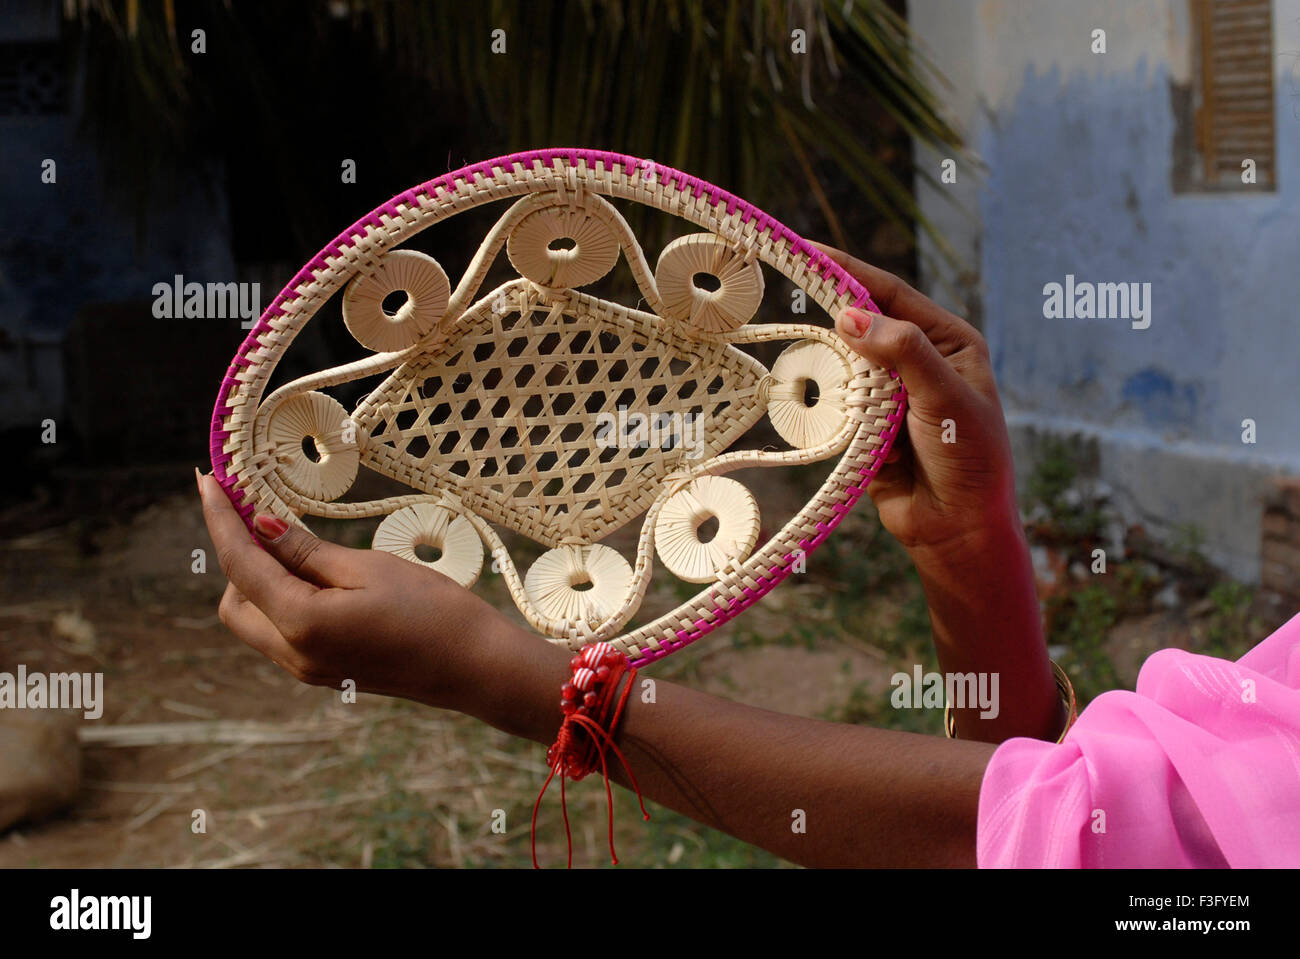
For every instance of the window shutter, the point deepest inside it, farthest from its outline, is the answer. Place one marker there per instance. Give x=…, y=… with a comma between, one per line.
x=1235, y=116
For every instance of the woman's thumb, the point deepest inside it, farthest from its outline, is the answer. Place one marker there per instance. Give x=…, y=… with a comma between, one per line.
x=898, y=345
x=301, y=553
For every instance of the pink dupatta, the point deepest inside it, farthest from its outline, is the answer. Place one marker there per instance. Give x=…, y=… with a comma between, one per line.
x=1199, y=767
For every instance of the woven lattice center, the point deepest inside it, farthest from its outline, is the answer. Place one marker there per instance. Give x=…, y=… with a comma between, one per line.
x=558, y=416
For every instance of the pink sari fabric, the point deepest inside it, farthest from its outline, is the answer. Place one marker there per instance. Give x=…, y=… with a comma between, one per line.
x=1199, y=767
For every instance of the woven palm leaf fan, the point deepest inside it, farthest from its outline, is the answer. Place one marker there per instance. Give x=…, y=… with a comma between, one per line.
x=538, y=410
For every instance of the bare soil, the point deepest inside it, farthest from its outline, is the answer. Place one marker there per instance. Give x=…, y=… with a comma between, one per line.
x=378, y=782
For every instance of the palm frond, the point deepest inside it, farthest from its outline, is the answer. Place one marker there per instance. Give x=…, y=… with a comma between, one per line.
x=705, y=85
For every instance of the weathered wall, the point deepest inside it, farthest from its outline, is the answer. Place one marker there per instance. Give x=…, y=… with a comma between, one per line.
x=1079, y=154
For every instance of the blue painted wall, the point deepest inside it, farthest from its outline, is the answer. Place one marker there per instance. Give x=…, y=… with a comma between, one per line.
x=1080, y=182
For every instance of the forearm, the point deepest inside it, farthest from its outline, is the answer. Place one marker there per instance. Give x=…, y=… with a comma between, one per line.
x=868, y=797
x=985, y=617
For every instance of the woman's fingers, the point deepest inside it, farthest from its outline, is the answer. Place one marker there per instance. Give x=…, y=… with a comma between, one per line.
x=311, y=558
x=251, y=625
x=254, y=572
x=946, y=330
x=932, y=383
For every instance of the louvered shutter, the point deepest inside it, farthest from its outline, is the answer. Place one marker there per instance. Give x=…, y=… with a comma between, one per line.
x=1235, y=116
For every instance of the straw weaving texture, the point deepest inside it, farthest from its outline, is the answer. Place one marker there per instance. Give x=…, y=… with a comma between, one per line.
x=423, y=524
x=538, y=408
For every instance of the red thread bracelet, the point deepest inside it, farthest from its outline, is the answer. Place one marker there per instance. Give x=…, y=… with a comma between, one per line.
x=592, y=706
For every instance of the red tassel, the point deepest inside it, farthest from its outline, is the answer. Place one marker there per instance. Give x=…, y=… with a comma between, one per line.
x=573, y=759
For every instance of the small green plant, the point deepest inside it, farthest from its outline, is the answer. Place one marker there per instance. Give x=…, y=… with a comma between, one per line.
x=1231, y=627
x=1064, y=511
x=1187, y=548
x=1081, y=621
x=1135, y=586
x=1054, y=472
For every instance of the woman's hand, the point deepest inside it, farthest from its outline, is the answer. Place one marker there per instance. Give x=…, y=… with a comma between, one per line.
x=326, y=613
x=947, y=492
x=949, y=484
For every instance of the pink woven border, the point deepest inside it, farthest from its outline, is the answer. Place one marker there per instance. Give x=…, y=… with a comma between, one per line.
x=767, y=582
x=818, y=263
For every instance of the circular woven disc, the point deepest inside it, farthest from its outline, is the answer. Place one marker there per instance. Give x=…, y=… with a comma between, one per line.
x=427, y=291
x=550, y=582
x=799, y=424
x=427, y=525
x=677, y=538
x=731, y=305
x=324, y=419
x=593, y=253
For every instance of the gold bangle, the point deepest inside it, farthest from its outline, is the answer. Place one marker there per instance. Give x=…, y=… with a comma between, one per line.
x=1063, y=686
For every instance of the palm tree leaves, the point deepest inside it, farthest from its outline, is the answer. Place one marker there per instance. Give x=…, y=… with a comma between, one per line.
x=717, y=88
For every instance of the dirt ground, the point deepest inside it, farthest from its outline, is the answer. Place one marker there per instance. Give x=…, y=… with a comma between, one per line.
x=288, y=775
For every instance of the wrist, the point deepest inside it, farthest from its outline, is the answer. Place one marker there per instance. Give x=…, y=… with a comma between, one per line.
x=513, y=681
x=978, y=552
x=984, y=613
x=981, y=592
